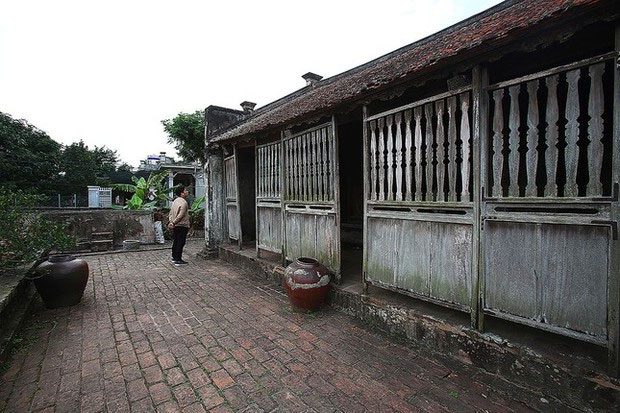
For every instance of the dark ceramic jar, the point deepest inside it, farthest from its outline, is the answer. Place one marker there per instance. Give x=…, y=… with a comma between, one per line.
x=306, y=282
x=61, y=280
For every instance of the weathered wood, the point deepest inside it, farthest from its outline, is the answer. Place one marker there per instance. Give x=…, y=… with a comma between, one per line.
x=479, y=162
x=553, y=71
x=513, y=141
x=420, y=103
x=257, y=196
x=409, y=157
x=276, y=171
x=418, y=153
x=306, y=167
x=452, y=165
x=326, y=189
x=429, y=141
x=288, y=157
x=571, y=154
x=595, y=130
x=532, y=139
x=270, y=171
x=334, y=169
x=398, y=154
x=311, y=195
x=450, y=272
x=613, y=293
x=319, y=178
x=465, y=151
x=552, y=134
x=381, y=162
x=497, y=142
x=316, y=162
x=292, y=160
x=236, y=175
x=564, y=287
x=367, y=167
x=336, y=201
x=440, y=137
x=373, y=159
x=389, y=121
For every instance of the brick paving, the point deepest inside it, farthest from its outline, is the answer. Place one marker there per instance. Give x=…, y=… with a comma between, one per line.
x=207, y=337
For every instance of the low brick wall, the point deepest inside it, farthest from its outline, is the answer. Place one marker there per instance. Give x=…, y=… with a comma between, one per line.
x=122, y=224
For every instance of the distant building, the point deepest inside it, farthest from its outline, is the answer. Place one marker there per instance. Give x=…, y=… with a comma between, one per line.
x=189, y=174
x=153, y=162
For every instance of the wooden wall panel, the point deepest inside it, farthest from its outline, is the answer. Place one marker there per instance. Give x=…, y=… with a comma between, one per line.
x=270, y=228
x=233, y=221
x=311, y=235
x=425, y=258
x=574, y=267
x=451, y=278
x=549, y=273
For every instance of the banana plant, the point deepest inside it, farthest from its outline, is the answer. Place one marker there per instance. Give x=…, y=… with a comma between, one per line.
x=147, y=193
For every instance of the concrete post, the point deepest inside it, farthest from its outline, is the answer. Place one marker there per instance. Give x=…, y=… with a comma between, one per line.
x=215, y=200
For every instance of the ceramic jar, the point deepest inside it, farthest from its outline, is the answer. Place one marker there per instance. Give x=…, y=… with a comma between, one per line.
x=306, y=282
x=61, y=280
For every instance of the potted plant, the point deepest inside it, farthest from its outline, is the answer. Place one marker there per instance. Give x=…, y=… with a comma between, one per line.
x=27, y=236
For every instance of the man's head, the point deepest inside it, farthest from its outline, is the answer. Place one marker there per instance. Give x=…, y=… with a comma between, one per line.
x=182, y=192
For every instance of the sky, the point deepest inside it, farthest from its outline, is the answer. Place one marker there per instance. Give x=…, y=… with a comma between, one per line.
x=108, y=72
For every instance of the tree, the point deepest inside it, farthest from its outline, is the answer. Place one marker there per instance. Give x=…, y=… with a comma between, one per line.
x=81, y=166
x=29, y=158
x=186, y=133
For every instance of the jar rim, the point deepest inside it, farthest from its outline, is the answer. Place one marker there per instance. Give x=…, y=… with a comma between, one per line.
x=307, y=260
x=60, y=258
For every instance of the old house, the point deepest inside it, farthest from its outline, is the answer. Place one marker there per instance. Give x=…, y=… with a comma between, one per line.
x=476, y=169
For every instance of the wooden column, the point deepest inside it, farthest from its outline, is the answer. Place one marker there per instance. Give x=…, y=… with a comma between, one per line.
x=257, y=191
x=613, y=308
x=215, y=202
x=336, y=171
x=479, y=141
x=238, y=195
x=368, y=175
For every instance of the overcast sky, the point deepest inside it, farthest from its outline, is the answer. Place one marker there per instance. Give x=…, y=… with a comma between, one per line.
x=109, y=71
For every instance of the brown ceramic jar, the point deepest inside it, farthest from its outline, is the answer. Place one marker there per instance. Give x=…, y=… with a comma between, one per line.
x=61, y=280
x=306, y=282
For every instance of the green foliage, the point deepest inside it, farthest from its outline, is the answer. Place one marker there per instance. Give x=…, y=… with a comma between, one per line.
x=29, y=158
x=186, y=132
x=25, y=234
x=198, y=206
x=81, y=166
x=197, y=212
x=148, y=193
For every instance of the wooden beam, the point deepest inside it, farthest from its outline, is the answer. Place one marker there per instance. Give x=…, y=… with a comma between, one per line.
x=336, y=180
x=479, y=140
x=366, y=177
x=613, y=291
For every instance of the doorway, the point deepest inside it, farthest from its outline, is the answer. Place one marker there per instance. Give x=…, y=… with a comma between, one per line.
x=247, y=193
x=350, y=156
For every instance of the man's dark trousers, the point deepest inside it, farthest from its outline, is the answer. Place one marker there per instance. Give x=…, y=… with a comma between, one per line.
x=179, y=235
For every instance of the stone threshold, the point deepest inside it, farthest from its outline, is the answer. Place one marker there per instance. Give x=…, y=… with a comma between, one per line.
x=16, y=297
x=555, y=367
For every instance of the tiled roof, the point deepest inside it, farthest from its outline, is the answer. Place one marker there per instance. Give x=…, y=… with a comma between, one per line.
x=491, y=27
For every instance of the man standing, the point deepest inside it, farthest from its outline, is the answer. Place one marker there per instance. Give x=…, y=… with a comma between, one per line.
x=179, y=224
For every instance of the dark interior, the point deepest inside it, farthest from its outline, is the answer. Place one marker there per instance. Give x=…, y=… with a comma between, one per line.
x=247, y=193
x=350, y=154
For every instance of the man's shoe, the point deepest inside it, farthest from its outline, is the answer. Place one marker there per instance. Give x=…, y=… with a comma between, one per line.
x=181, y=262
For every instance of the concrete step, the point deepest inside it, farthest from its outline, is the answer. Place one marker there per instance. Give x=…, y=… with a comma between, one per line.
x=101, y=245
x=101, y=235
x=16, y=296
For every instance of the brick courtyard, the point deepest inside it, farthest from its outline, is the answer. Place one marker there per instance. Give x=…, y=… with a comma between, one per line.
x=207, y=337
